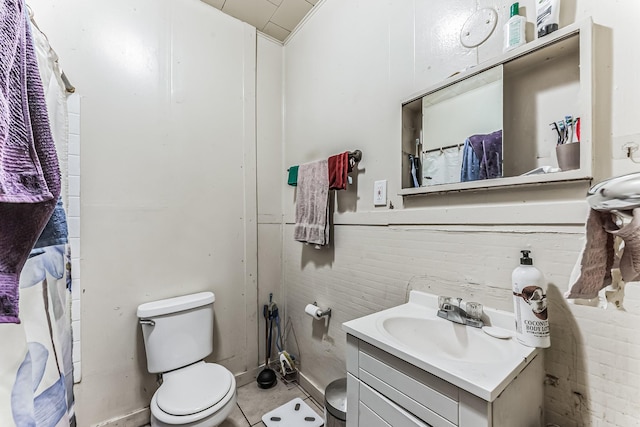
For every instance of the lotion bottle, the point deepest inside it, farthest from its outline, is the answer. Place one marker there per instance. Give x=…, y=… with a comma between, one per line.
x=548, y=16
x=530, y=304
x=514, y=29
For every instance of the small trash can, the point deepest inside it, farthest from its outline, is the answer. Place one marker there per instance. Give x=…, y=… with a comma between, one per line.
x=335, y=403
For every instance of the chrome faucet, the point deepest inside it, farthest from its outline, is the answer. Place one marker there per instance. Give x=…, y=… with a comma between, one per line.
x=457, y=314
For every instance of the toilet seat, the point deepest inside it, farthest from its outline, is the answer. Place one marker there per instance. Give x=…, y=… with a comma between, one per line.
x=192, y=393
x=193, y=389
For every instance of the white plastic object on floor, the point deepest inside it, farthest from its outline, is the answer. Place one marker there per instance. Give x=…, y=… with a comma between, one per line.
x=287, y=415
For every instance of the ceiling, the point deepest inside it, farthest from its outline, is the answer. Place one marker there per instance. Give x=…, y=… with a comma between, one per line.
x=276, y=18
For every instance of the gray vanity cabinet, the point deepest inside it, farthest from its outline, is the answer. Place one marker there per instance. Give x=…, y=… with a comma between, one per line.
x=386, y=391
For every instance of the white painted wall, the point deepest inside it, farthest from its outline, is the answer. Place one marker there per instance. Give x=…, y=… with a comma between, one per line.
x=270, y=183
x=346, y=71
x=168, y=180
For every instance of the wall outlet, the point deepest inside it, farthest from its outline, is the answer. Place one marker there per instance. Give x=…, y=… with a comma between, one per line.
x=380, y=193
x=625, y=146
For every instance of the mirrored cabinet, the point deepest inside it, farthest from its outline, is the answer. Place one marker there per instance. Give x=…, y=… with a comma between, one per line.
x=523, y=118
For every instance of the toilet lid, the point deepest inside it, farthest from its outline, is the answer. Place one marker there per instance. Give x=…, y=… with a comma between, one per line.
x=193, y=389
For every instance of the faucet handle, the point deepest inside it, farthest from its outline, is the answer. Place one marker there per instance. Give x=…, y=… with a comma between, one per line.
x=444, y=302
x=474, y=310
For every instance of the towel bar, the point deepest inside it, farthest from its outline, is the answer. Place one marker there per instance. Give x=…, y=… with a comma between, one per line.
x=355, y=155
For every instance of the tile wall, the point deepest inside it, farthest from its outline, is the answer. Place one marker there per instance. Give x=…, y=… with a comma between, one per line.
x=73, y=219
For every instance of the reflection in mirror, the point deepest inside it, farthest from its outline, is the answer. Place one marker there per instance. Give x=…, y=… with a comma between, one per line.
x=462, y=130
x=454, y=134
x=411, y=143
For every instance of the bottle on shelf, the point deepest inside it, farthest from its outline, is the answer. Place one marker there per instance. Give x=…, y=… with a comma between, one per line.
x=514, y=35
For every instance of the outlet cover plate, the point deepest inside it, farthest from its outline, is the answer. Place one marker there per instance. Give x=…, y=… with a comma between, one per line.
x=380, y=193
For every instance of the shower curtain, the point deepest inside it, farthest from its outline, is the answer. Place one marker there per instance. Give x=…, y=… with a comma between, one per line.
x=442, y=166
x=36, y=370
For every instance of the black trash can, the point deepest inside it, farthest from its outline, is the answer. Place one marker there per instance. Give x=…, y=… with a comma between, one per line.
x=335, y=403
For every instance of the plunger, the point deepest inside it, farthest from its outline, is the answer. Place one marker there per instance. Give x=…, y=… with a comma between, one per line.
x=266, y=378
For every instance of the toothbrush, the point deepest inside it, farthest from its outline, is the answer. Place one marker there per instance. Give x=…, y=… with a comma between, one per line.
x=569, y=121
x=562, y=128
x=555, y=126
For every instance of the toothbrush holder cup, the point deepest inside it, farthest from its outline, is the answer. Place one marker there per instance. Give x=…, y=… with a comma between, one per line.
x=568, y=156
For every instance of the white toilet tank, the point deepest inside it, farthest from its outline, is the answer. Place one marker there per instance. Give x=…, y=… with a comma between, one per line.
x=177, y=331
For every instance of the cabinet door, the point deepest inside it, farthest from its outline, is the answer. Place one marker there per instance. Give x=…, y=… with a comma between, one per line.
x=429, y=398
x=386, y=410
x=368, y=418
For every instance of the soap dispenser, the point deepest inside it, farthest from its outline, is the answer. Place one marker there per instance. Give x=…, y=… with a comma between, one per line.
x=530, y=304
x=514, y=29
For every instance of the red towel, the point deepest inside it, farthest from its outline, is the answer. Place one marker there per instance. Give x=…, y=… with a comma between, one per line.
x=338, y=169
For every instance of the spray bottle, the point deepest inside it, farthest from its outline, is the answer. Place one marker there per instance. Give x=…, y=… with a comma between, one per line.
x=530, y=304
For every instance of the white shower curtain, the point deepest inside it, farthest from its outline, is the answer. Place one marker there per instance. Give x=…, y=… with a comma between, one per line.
x=36, y=370
x=442, y=166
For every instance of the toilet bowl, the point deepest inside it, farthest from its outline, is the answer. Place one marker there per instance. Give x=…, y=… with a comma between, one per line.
x=178, y=335
x=199, y=395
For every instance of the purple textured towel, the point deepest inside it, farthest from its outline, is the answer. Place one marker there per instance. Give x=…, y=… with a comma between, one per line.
x=29, y=173
x=488, y=148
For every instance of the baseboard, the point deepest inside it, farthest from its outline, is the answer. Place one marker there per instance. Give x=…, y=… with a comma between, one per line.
x=312, y=388
x=137, y=418
x=247, y=377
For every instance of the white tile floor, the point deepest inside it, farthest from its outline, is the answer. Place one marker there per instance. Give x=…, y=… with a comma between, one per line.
x=253, y=402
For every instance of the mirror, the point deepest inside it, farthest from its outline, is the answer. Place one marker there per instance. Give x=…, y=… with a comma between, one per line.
x=444, y=126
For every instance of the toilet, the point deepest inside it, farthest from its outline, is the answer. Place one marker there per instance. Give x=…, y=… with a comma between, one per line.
x=178, y=335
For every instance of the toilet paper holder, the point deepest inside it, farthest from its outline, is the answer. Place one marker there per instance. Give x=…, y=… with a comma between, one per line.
x=322, y=313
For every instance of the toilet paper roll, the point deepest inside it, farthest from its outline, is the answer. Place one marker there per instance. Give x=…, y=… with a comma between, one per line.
x=313, y=311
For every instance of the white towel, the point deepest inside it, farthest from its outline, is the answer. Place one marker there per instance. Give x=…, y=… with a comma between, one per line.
x=312, y=204
x=442, y=167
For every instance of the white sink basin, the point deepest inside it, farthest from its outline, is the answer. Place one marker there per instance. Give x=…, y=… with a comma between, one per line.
x=444, y=339
x=462, y=355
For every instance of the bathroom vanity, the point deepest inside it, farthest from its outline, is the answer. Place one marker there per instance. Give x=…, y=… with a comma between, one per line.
x=407, y=367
